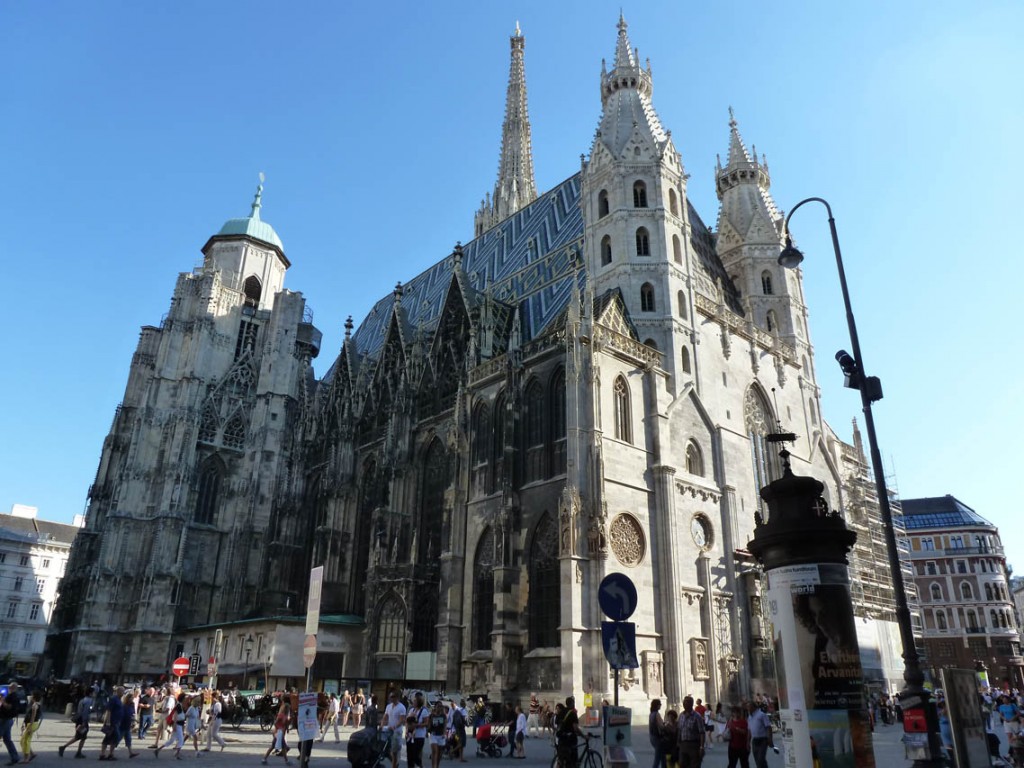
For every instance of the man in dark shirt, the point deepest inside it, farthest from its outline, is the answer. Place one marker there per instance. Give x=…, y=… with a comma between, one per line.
x=145, y=712
x=112, y=724
x=567, y=734
x=9, y=711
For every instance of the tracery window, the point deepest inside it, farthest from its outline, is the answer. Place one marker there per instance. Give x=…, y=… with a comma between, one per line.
x=558, y=429
x=758, y=419
x=646, y=297
x=771, y=322
x=766, y=283
x=481, y=448
x=602, y=203
x=391, y=626
x=498, y=445
x=370, y=497
x=606, y=250
x=639, y=195
x=533, y=431
x=483, y=591
x=434, y=483
x=643, y=242
x=623, y=417
x=544, y=603
x=211, y=471
x=235, y=432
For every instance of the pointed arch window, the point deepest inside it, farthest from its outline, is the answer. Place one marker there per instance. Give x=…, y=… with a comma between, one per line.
x=429, y=546
x=766, y=283
x=483, y=591
x=533, y=431
x=544, y=603
x=606, y=250
x=211, y=473
x=558, y=429
x=497, y=476
x=235, y=432
x=673, y=202
x=813, y=413
x=685, y=355
x=759, y=420
x=677, y=249
x=623, y=416
x=771, y=323
x=391, y=626
x=646, y=297
x=694, y=459
x=650, y=343
x=639, y=195
x=681, y=304
x=253, y=290
x=370, y=497
x=643, y=242
x=481, y=448
x=602, y=203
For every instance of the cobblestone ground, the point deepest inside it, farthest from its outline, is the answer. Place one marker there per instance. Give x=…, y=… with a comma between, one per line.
x=246, y=747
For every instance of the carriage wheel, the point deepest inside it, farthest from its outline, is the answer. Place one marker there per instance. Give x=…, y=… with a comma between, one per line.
x=237, y=718
x=266, y=721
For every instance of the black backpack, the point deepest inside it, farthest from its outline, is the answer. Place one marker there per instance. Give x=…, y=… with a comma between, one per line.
x=458, y=721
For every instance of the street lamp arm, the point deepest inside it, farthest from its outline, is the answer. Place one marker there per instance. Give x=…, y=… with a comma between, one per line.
x=823, y=201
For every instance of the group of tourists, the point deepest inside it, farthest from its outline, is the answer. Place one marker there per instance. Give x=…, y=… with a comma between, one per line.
x=414, y=724
x=11, y=708
x=340, y=710
x=681, y=739
x=175, y=715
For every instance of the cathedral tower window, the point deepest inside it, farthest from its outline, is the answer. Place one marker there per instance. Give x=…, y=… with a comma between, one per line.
x=434, y=483
x=639, y=195
x=643, y=242
x=253, y=290
x=650, y=343
x=391, y=626
x=365, y=535
x=646, y=297
x=602, y=203
x=677, y=249
x=481, y=450
x=246, y=341
x=770, y=322
x=686, y=360
x=673, y=203
x=544, y=605
x=483, y=591
x=235, y=432
x=681, y=304
x=534, y=432
x=498, y=445
x=694, y=460
x=766, y=283
x=211, y=471
x=759, y=421
x=623, y=417
x=558, y=443
x=606, y=250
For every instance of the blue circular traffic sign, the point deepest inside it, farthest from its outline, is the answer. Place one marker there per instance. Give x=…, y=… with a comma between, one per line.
x=617, y=596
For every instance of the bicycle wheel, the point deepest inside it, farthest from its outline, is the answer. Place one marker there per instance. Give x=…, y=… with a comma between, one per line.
x=266, y=721
x=592, y=759
x=554, y=761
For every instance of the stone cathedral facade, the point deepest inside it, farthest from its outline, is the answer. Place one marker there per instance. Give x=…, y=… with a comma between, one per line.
x=584, y=387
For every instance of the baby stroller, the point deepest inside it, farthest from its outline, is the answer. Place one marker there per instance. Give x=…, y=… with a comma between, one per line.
x=490, y=740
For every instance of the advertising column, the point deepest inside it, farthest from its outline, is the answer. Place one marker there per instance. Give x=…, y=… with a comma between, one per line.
x=803, y=547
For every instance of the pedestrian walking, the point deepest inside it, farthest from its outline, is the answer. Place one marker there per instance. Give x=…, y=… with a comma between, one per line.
x=737, y=736
x=128, y=721
x=358, y=708
x=691, y=736
x=216, y=720
x=111, y=728
x=331, y=718
x=655, y=731
x=193, y=721
x=437, y=728
x=279, y=744
x=33, y=719
x=176, y=725
x=10, y=708
x=146, y=701
x=760, y=734
x=81, y=720
x=520, y=737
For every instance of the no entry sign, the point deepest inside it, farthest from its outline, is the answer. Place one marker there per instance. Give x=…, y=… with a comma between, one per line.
x=180, y=666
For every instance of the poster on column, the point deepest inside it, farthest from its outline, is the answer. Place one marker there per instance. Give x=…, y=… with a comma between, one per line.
x=818, y=667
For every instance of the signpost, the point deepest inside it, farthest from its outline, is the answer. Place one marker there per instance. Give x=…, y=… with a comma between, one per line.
x=194, y=661
x=180, y=667
x=617, y=597
x=316, y=583
x=308, y=726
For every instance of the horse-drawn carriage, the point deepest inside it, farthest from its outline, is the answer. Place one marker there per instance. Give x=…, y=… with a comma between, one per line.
x=241, y=706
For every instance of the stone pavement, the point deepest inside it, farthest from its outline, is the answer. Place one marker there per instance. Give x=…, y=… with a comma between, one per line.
x=246, y=747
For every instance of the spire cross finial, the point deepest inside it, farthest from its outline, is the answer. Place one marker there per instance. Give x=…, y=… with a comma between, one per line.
x=732, y=118
x=257, y=201
x=518, y=32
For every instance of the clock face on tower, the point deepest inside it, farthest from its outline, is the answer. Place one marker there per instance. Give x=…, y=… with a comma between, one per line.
x=700, y=529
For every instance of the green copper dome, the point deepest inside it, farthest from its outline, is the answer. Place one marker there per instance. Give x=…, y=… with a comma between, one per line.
x=253, y=226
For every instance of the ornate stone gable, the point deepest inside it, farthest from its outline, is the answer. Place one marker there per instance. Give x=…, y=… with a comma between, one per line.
x=224, y=418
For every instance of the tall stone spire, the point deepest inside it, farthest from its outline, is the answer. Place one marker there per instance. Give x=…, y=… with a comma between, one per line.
x=743, y=188
x=515, y=187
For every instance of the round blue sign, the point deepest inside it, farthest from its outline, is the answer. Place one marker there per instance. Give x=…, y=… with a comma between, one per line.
x=617, y=596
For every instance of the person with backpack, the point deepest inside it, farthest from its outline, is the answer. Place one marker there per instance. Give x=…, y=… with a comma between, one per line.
x=81, y=720
x=566, y=735
x=459, y=726
x=176, y=722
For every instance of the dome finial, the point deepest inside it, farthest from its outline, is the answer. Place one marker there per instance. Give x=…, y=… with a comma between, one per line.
x=257, y=201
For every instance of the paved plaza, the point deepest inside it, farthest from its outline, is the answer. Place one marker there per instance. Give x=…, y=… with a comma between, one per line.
x=246, y=747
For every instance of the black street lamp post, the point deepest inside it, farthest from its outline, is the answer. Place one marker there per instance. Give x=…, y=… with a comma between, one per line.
x=248, y=652
x=914, y=694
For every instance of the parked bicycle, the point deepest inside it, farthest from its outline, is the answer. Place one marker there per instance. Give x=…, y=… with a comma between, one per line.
x=588, y=757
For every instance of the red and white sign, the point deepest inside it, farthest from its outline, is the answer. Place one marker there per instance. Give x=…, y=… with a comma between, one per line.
x=309, y=651
x=211, y=666
x=180, y=666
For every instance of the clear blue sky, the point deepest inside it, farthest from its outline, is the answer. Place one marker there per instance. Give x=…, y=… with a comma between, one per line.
x=131, y=131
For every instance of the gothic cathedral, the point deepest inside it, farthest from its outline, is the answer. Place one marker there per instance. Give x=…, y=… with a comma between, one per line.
x=585, y=387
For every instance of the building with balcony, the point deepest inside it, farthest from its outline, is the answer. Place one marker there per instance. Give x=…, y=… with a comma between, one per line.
x=963, y=583
x=33, y=556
